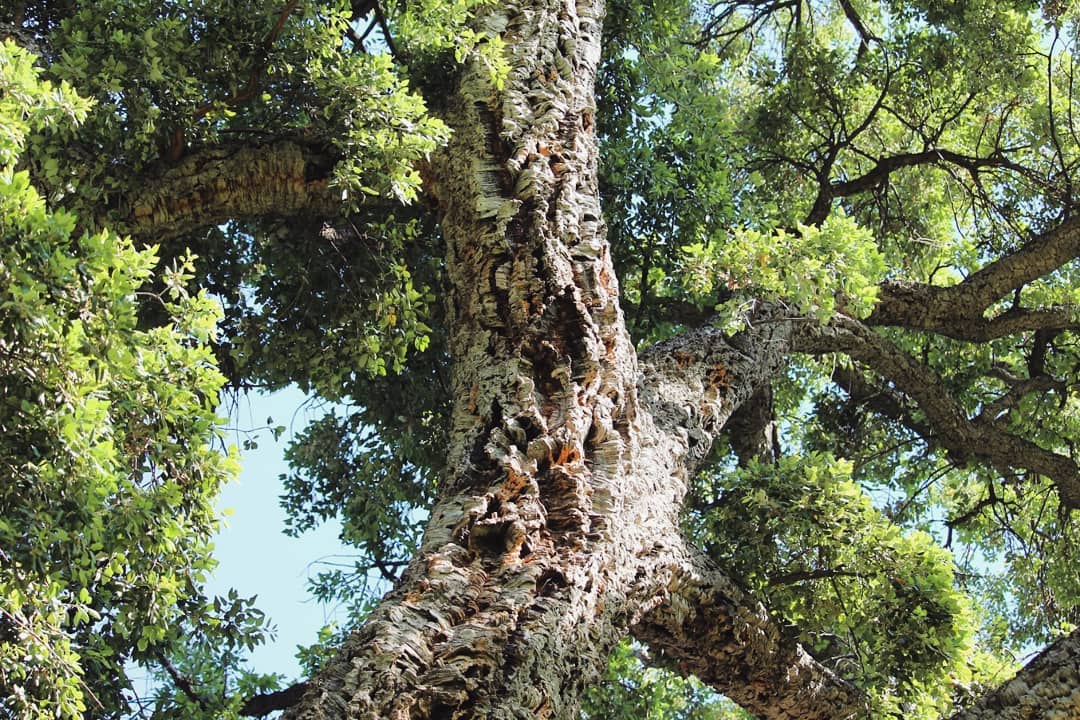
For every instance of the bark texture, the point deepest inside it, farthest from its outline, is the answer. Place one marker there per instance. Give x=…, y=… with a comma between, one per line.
x=557, y=527
x=214, y=185
x=556, y=531
x=1048, y=688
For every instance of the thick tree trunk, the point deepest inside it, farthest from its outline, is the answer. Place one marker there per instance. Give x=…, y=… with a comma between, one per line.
x=556, y=532
x=556, y=529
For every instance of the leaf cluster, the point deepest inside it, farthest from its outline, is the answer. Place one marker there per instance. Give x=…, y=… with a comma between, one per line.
x=878, y=604
x=110, y=451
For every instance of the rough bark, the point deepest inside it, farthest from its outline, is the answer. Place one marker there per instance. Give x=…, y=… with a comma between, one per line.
x=1047, y=688
x=211, y=186
x=556, y=529
x=710, y=628
x=958, y=311
x=520, y=588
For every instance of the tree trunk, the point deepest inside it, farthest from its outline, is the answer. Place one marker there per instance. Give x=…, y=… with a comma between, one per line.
x=556, y=528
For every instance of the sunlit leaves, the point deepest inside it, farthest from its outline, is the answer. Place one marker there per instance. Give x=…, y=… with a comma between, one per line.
x=631, y=690
x=108, y=445
x=875, y=602
x=816, y=270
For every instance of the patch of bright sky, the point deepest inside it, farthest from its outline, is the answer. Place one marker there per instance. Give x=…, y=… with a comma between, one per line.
x=254, y=555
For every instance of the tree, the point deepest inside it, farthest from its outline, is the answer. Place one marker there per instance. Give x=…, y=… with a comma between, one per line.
x=840, y=345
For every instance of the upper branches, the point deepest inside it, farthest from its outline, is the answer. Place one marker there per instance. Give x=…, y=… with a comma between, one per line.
x=958, y=311
x=980, y=437
x=697, y=380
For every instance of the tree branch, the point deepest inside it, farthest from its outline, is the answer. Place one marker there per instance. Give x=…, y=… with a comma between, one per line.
x=903, y=300
x=946, y=310
x=962, y=437
x=886, y=166
x=266, y=703
x=254, y=81
x=182, y=682
x=866, y=36
x=694, y=382
x=752, y=429
x=244, y=181
x=712, y=629
x=1045, y=688
x=878, y=399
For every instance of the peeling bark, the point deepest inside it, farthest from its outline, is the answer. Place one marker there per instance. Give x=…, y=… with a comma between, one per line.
x=522, y=585
x=557, y=527
x=1047, y=688
x=214, y=185
x=712, y=629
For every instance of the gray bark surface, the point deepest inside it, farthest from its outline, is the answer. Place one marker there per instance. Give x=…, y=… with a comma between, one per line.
x=1047, y=688
x=557, y=528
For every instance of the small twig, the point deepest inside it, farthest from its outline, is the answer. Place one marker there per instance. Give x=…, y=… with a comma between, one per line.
x=255, y=78
x=182, y=682
x=819, y=574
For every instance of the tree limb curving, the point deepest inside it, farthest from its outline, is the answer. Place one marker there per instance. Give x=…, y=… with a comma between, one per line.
x=214, y=185
x=963, y=437
x=958, y=311
x=711, y=628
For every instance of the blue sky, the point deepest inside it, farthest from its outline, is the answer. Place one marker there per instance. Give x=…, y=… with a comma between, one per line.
x=253, y=553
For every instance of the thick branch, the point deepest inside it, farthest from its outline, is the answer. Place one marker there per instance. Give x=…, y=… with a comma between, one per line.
x=904, y=301
x=218, y=184
x=1046, y=688
x=752, y=429
x=963, y=437
x=712, y=629
x=957, y=311
x=694, y=382
x=886, y=166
